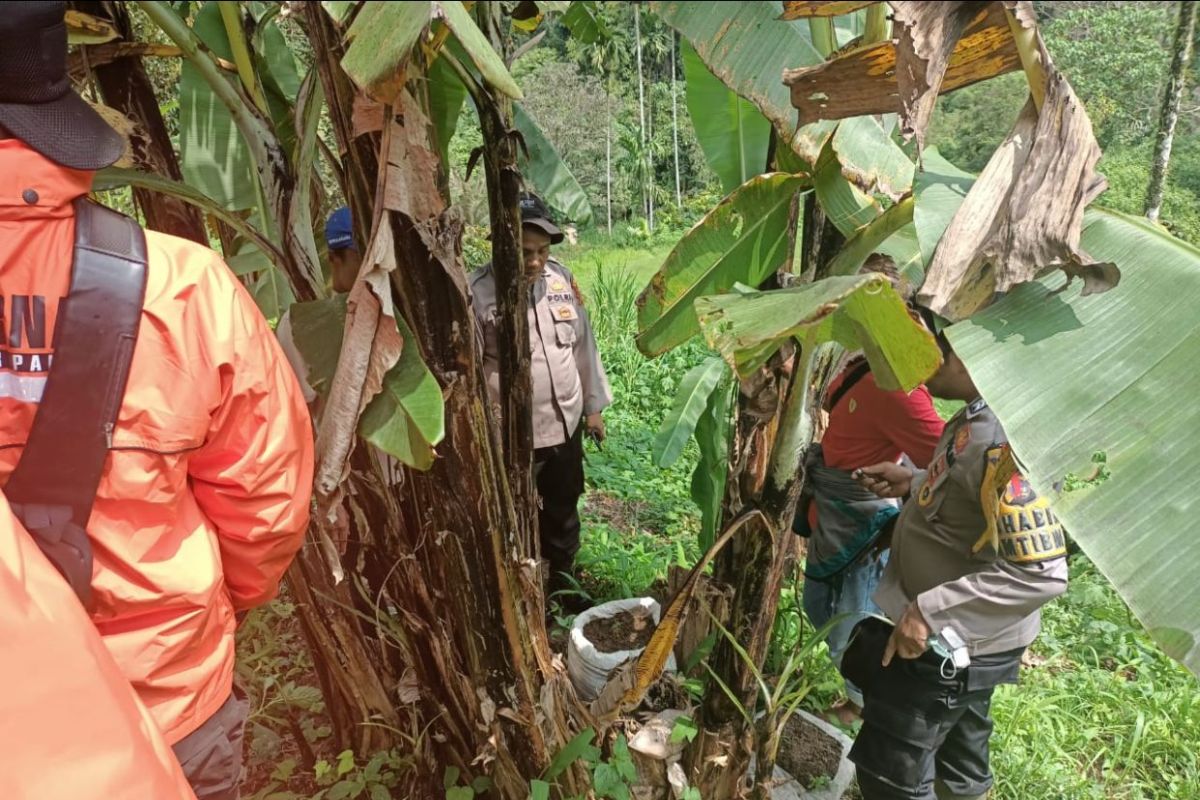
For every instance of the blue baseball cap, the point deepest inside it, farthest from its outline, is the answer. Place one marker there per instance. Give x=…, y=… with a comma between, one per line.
x=339, y=230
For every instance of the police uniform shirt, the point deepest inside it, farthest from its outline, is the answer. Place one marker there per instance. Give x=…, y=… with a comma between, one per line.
x=975, y=547
x=568, y=378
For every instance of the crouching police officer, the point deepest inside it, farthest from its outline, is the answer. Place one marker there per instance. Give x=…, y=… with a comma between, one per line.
x=569, y=384
x=975, y=554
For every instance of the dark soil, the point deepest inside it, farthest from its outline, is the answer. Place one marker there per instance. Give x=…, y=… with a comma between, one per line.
x=807, y=753
x=665, y=693
x=626, y=630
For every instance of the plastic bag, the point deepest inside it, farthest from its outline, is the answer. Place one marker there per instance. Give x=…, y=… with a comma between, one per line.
x=588, y=667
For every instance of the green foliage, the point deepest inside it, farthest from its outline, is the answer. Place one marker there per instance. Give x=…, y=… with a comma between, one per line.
x=1105, y=715
x=742, y=240
x=684, y=730
x=548, y=174
x=691, y=400
x=1117, y=392
x=1128, y=173
x=732, y=132
x=407, y=418
x=859, y=312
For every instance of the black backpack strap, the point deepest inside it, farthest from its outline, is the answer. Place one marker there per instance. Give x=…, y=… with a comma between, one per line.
x=852, y=377
x=54, y=485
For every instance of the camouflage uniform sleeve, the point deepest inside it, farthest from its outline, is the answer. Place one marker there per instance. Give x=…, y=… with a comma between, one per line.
x=1030, y=566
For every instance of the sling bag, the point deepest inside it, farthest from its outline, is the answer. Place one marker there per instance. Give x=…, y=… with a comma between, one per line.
x=54, y=484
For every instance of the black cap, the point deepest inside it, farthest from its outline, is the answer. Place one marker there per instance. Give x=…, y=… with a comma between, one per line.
x=535, y=213
x=37, y=104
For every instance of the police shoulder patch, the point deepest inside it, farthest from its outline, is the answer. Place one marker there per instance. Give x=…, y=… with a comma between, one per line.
x=1028, y=529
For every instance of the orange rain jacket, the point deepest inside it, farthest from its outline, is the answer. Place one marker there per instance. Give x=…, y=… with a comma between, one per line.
x=205, y=496
x=70, y=726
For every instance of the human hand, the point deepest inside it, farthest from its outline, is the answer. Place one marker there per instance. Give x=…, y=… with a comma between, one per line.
x=910, y=636
x=595, y=427
x=886, y=479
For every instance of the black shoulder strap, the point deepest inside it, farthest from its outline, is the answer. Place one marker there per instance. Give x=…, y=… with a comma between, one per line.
x=54, y=485
x=852, y=377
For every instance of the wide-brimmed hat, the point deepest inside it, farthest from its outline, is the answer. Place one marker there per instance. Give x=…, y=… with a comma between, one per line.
x=37, y=104
x=535, y=214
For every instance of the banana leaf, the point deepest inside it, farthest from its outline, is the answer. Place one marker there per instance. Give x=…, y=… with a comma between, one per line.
x=1096, y=396
x=748, y=48
x=214, y=158
x=381, y=39
x=743, y=240
x=541, y=164
x=484, y=56
x=691, y=401
x=407, y=418
x=859, y=312
x=939, y=189
x=708, y=479
x=585, y=26
x=732, y=133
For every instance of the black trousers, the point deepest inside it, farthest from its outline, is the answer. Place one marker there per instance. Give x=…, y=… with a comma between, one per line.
x=211, y=755
x=559, y=473
x=923, y=721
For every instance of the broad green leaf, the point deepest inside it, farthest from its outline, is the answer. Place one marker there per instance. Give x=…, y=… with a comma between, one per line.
x=446, y=96
x=539, y=790
x=214, y=158
x=275, y=65
x=249, y=259
x=903, y=248
x=684, y=729
x=845, y=205
x=339, y=10
x=277, y=62
x=1112, y=378
x=871, y=158
x=744, y=239
x=608, y=783
x=272, y=293
x=548, y=173
x=482, y=54
x=406, y=419
x=691, y=400
x=583, y=22
x=381, y=39
x=733, y=134
x=708, y=479
x=859, y=312
x=450, y=777
x=578, y=748
x=939, y=188
x=748, y=48
x=317, y=328
x=870, y=238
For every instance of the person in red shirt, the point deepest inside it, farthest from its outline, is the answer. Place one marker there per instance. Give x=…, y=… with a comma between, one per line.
x=846, y=524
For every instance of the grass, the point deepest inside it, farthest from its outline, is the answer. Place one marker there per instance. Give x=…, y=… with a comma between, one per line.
x=1103, y=714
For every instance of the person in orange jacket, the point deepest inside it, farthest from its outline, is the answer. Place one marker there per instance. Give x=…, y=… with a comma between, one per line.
x=205, y=494
x=70, y=725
